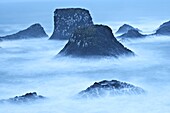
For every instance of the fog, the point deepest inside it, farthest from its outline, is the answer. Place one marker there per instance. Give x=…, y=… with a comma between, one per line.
x=32, y=65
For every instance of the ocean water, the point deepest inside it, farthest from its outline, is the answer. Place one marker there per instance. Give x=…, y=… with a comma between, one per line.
x=31, y=65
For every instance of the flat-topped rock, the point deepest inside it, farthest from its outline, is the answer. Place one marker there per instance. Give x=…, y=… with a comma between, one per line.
x=111, y=88
x=66, y=21
x=133, y=34
x=164, y=29
x=28, y=97
x=96, y=40
x=34, y=31
x=125, y=28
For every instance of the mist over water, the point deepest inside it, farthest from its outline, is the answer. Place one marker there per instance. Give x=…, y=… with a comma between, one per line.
x=32, y=65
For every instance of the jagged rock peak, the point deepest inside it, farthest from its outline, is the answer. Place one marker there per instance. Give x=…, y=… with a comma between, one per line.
x=112, y=88
x=164, y=29
x=28, y=97
x=125, y=28
x=67, y=20
x=34, y=31
x=96, y=40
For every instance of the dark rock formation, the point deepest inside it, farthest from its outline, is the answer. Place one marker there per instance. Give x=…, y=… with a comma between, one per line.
x=34, y=31
x=96, y=40
x=164, y=29
x=112, y=88
x=133, y=34
x=28, y=97
x=67, y=20
x=125, y=28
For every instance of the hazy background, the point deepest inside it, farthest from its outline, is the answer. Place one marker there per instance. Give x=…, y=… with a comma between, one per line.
x=19, y=14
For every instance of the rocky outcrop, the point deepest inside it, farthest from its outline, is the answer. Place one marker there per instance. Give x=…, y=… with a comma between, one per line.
x=112, y=88
x=125, y=28
x=164, y=29
x=96, y=40
x=133, y=34
x=34, y=31
x=67, y=20
x=28, y=97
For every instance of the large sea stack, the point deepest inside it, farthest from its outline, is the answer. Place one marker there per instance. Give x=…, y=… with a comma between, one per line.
x=34, y=31
x=96, y=40
x=164, y=29
x=66, y=21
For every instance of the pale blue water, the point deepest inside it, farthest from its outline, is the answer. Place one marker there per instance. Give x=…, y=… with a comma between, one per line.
x=30, y=65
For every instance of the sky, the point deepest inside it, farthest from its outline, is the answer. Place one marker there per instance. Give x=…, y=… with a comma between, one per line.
x=17, y=14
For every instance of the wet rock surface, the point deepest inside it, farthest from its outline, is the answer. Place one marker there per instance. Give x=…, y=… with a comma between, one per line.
x=164, y=29
x=111, y=88
x=34, y=31
x=125, y=28
x=27, y=98
x=96, y=40
x=66, y=21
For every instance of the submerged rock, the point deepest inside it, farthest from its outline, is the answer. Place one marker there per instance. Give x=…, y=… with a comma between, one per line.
x=69, y=19
x=96, y=40
x=34, y=31
x=164, y=29
x=125, y=28
x=133, y=34
x=112, y=88
x=28, y=97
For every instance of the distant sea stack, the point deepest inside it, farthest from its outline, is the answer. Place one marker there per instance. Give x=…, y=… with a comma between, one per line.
x=27, y=98
x=34, y=31
x=125, y=28
x=133, y=34
x=96, y=40
x=164, y=29
x=66, y=21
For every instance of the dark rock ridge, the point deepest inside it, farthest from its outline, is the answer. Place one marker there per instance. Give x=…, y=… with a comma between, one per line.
x=132, y=34
x=28, y=97
x=69, y=19
x=34, y=31
x=96, y=40
x=164, y=29
x=111, y=88
x=125, y=28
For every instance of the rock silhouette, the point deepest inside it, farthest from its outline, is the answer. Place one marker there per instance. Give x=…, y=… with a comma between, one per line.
x=133, y=34
x=34, y=31
x=125, y=28
x=164, y=29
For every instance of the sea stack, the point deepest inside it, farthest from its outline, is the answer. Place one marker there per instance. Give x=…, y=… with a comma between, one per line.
x=125, y=28
x=164, y=29
x=27, y=98
x=66, y=21
x=34, y=31
x=132, y=34
x=96, y=40
x=111, y=88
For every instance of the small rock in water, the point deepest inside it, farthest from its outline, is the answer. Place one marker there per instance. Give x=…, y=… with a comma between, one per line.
x=112, y=88
x=28, y=97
